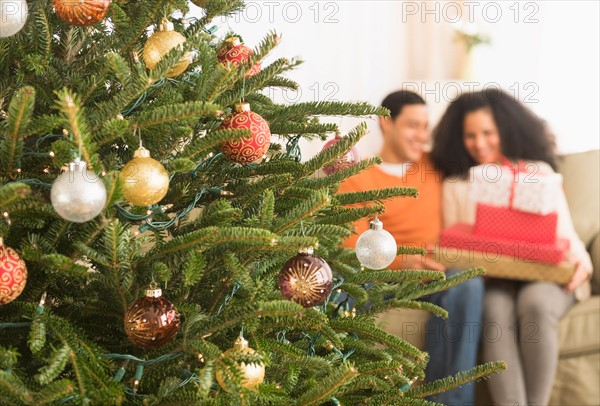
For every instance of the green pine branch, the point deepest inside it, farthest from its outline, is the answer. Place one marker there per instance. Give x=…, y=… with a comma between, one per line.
x=20, y=111
x=376, y=195
x=445, y=384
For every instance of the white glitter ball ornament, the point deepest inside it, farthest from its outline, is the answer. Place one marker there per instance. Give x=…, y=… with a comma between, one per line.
x=78, y=194
x=376, y=248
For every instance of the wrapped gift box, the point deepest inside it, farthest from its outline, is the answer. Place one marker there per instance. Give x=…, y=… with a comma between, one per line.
x=506, y=223
x=525, y=188
x=505, y=267
x=461, y=236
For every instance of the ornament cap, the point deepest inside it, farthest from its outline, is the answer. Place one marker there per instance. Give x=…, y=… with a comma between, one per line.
x=166, y=25
x=307, y=251
x=240, y=344
x=241, y=107
x=153, y=291
x=376, y=224
x=233, y=41
x=77, y=162
x=141, y=152
x=1, y=242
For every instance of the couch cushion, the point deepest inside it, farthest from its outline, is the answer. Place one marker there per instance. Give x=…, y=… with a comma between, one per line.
x=582, y=186
x=579, y=331
x=594, y=250
x=410, y=324
x=576, y=381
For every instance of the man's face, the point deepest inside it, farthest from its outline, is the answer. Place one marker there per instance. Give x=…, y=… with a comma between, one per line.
x=408, y=133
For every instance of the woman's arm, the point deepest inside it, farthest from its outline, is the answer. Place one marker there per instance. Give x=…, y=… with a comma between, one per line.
x=455, y=203
x=578, y=253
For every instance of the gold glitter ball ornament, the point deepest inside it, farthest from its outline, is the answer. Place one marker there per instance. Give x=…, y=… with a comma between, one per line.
x=252, y=374
x=145, y=180
x=160, y=43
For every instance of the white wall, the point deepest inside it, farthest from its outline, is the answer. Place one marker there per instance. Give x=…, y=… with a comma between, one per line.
x=361, y=50
x=554, y=64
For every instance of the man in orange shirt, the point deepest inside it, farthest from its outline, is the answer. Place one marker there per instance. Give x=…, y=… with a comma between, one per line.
x=452, y=343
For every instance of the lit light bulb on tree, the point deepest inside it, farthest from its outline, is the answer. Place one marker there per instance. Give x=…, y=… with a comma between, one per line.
x=376, y=248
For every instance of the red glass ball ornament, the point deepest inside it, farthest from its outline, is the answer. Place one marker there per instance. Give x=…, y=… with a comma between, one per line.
x=347, y=159
x=306, y=279
x=152, y=321
x=13, y=274
x=252, y=148
x=82, y=13
x=236, y=53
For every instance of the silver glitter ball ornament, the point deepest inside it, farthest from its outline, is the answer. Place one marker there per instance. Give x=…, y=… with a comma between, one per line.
x=78, y=194
x=13, y=16
x=376, y=248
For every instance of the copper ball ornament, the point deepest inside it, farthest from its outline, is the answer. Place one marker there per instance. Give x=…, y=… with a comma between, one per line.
x=160, y=43
x=13, y=274
x=248, y=149
x=252, y=374
x=306, y=279
x=145, y=180
x=152, y=321
x=81, y=13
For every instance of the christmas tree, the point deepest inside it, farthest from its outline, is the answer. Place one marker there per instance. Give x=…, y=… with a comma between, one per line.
x=152, y=224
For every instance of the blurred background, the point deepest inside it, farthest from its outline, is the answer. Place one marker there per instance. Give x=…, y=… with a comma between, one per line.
x=545, y=53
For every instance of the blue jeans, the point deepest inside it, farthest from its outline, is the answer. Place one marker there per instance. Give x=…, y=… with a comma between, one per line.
x=453, y=343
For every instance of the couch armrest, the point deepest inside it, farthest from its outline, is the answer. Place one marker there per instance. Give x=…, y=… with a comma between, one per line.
x=594, y=250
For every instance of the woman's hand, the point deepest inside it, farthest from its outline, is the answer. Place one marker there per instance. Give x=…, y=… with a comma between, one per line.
x=579, y=277
x=421, y=262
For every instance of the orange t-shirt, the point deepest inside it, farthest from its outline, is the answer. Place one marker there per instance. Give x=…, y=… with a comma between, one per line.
x=412, y=222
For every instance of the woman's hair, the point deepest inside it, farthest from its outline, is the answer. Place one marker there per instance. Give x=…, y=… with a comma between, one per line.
x=523, y=135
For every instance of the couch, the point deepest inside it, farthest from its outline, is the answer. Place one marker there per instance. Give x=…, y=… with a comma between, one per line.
x=577, y=379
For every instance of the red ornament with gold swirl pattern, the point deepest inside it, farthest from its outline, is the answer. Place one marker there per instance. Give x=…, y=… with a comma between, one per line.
x=249, y=149
x=236, y=53
x=152, y=321
x=82, y=13
x=13, y=274
x=306, y=279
